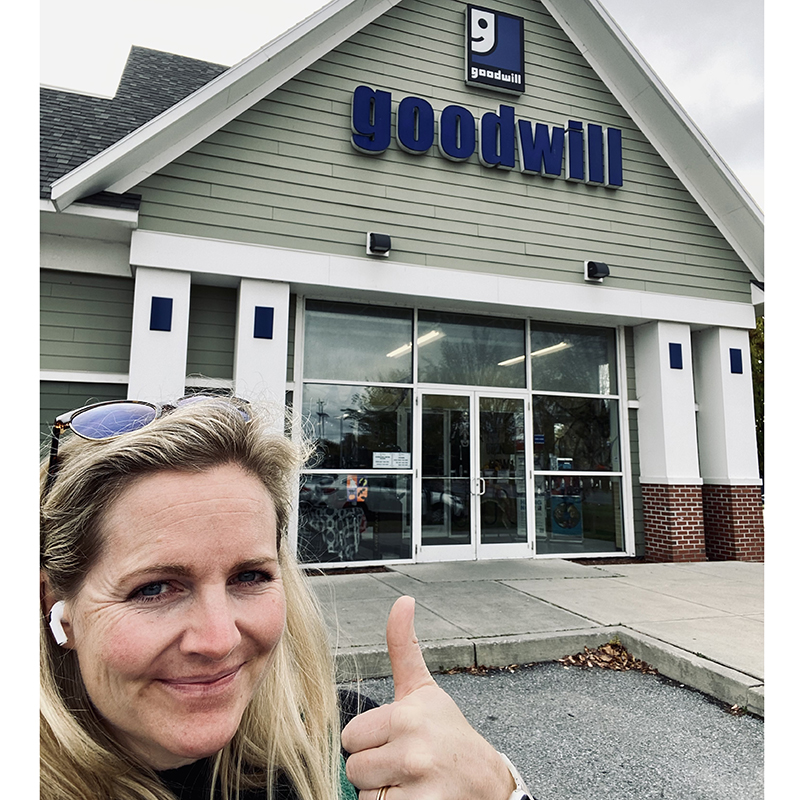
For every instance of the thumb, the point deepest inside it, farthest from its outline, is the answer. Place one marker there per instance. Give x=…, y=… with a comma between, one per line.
x=408, y=665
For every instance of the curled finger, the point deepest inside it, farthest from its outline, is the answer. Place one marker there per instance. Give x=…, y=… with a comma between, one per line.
x=371, y=769
x=367, y=730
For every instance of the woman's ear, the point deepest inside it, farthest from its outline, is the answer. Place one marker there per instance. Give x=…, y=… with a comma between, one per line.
x=54, y=611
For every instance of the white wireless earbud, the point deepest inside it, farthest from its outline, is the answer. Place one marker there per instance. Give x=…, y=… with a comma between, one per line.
x=56, y=613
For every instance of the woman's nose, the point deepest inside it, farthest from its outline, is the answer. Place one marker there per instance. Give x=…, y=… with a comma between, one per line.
x=211, y=628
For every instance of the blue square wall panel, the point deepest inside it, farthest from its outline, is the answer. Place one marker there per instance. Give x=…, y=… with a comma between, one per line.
x=161, y=314
x=737, y=366
x=675, y=355
x=264, y=322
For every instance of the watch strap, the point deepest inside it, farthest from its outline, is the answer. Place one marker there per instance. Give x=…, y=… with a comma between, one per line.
x=521, y=792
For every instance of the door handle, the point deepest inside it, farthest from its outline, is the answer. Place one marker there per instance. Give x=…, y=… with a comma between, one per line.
x=481, y=487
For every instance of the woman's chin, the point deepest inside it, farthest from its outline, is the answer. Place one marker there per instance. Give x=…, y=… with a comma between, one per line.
x=184, y=747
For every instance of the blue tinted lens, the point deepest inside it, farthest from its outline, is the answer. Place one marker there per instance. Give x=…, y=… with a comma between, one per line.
x=114, y=419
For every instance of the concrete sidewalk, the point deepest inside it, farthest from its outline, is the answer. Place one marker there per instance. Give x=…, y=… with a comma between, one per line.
x=701, y=624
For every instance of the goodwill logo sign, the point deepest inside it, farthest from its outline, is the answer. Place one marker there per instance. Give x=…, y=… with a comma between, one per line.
x=495, y=50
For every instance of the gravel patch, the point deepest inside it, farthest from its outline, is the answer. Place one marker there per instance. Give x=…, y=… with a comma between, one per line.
x=591, y=733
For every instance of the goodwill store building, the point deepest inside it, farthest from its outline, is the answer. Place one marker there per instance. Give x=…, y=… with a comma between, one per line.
x=480, y=251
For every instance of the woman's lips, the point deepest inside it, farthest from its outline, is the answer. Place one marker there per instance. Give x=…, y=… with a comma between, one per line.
x=202, y=684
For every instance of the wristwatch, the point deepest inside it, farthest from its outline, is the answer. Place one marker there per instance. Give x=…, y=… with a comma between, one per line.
x=521, y=792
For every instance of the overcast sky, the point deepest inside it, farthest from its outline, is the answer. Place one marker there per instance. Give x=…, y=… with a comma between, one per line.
x=709, y=53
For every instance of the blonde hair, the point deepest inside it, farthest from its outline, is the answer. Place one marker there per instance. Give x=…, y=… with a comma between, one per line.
x=292, y=723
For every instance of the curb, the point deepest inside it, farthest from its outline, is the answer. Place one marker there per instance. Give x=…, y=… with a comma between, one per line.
x=721, y=682
x=725, y=684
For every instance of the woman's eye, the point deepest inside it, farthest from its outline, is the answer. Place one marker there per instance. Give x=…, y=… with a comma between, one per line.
x=152, y=591
x=252, y=577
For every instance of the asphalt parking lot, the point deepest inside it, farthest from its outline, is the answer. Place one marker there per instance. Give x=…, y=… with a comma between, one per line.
x=591, y=733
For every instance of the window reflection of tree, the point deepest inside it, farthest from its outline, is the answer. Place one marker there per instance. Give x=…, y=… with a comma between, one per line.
x=373, y=419
x=501, y=420
x=471, y=350
x=587, y=365
x=577, y=429
x=475, y=362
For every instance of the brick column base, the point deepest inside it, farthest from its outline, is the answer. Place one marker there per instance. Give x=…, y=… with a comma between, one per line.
x=734, y=523
x=673, y=522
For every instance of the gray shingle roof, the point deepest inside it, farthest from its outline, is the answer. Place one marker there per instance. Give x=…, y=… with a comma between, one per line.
x=74, y=127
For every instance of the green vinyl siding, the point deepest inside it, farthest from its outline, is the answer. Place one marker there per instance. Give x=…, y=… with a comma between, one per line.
x=58, y=397
x=284, y=173
x=85, y=322
x=291, y=343
x=212, y=331
x=630, y=355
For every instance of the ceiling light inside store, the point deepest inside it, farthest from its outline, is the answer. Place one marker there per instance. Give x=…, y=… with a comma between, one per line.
x=545, y=351
x=426, y=338
x=509, y=361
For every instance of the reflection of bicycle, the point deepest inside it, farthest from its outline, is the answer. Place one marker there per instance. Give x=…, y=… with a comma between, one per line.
x=566, y=515
x=499, y=504
x=438, y=506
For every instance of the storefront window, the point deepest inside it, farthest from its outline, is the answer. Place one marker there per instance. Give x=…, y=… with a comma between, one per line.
x=350, y=342
x=576, y=440
x=475, y=486
x=364, y=427
x=356, y=495
x=572, y=359
x=578, y=514
x=575, y=433
x=354, y=517
x=468, y=350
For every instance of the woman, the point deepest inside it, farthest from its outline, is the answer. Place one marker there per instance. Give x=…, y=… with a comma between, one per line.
x=183, y=653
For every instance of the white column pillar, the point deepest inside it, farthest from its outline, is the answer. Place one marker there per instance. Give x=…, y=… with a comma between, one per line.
x=665, y=389
x=732, y=504
x=672, y=492
x=726, y=426
x=262, y=340
x=160, y=334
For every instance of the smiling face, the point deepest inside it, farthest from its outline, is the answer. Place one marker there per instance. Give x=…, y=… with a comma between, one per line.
x=176, y=624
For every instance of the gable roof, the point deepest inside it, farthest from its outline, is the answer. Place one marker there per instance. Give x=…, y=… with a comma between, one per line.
x=74, y=127
x=161, y=139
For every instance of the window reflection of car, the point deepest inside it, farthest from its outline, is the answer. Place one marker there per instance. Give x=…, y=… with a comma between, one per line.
x=438, y=505
x=322, y=490
x=383, y=494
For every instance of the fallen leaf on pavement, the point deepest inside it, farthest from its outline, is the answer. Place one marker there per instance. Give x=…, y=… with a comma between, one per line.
x=608, y=656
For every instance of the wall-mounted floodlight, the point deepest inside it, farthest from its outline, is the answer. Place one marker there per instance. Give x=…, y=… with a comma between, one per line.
x=378, y=244
x=595, y=271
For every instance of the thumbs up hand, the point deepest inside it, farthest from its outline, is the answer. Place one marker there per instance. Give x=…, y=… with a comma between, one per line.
x=420, y=746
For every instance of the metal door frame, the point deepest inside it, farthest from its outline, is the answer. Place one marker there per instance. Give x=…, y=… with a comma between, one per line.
x=475, y=550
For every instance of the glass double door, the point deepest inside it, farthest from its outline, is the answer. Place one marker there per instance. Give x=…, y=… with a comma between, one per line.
x=472, y=481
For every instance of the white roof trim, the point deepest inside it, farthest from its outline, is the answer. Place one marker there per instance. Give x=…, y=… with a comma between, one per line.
x=665, y=123
x=603, y=44
x=164, y=138
x=414, y=284
x=125, y=215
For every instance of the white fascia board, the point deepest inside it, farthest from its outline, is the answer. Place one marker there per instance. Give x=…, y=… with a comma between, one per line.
x=757, y=294
x=393, y=281
x=665, y=123
x=164, y=138
x=126, y=216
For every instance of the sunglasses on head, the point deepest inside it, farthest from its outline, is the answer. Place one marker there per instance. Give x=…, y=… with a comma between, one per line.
x=113, y=418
